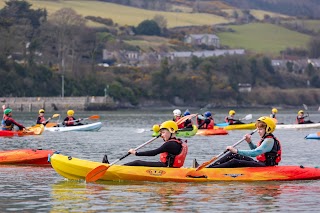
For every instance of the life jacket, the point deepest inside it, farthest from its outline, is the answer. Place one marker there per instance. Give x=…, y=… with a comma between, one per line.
x=180, y=126
x=4, y=125
x=42, y=119
x=273, y=157
x=300, y=120
x=229, y=120
x=176, y=161
x=70, y=121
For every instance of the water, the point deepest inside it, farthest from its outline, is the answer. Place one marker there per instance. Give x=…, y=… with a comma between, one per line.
x=41, y=189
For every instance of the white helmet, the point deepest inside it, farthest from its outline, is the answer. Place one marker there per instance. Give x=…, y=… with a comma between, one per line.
x=177, y=112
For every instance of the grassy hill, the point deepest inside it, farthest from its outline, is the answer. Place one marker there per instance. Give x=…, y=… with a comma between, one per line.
x=265, y=38
x=124, y=15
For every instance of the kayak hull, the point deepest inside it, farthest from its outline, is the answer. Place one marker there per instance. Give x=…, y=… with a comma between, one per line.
x=34, y=130
x=215, y=131
x=74, y=168
x=313, y=136
x=240, y=126
x=26, y=157
x=86, y=127
x=182, y=133
x=298, y=126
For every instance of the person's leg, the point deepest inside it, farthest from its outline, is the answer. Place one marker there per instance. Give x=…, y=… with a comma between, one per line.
x=234, y=163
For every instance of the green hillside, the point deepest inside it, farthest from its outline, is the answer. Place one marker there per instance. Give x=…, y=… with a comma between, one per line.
x=127, y=15
x=265, y=38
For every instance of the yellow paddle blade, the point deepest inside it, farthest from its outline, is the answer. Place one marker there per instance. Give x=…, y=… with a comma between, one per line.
x=94, y=117
x=55, y=115
x=36, y=129
x=96, y=173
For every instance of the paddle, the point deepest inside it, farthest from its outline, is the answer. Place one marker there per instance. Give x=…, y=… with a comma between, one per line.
x=98, y=172
x=203, y=165
x=36, y=129
x=92, y=117
x=306, y=108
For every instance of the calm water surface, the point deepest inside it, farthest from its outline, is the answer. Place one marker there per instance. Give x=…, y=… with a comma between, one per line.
x=38, y=189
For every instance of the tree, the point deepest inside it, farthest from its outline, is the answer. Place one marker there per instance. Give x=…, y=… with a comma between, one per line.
x=314, y=47
x=148, y=27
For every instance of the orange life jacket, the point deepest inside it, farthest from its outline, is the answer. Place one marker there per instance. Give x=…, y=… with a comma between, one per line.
x=273, y=157
x=178, y=160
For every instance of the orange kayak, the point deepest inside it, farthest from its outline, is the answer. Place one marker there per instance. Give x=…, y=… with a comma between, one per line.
x=26, y=157
x=216, y=131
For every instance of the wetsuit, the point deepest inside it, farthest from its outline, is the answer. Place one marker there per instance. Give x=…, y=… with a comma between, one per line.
x=171, y=147
x=243, y=157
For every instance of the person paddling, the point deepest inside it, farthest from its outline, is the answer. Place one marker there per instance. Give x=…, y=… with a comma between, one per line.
x=230, y=118
x=70, y=120
x=267, y=151
x=300, y=118
x=41, y=119
x=177, y=116
x=274, y=111
x=172, y=153
x=206, y=122
x=8, y=122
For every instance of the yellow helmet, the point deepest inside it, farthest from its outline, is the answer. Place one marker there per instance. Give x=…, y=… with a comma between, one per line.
x=301, y=112
x=232, y=112
x=271, y=125
x=41, y=111
x=70, y=112
x=274, y=110
x=171, y=126
x=156, y=128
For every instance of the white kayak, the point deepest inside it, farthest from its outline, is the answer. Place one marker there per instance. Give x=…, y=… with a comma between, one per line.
x=297, y=126
x=85, y=127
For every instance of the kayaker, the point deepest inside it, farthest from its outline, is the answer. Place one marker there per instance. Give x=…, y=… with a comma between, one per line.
x=187, y=125
x=172, y=153
x=230, y=118
x=301, y=117
x=206, y=121
x=176, y=116
x=70, y=120
x=41, y=119
x=274, y=111
x=267, y=151
x=8, y=122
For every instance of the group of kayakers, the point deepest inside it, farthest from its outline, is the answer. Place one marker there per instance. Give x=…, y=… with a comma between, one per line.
x=8, y=122
x=300, y=119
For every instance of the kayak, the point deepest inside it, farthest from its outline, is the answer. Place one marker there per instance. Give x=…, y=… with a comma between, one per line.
x=26, y=157
x=240, y=126
x=86, y=127
x=297, y=126
x=33, y=130
x=313, y=136
x=215, y=131
x=182, y=133
x=75, y=168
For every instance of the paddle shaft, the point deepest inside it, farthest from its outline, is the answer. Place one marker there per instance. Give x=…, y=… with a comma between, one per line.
x=222, y=153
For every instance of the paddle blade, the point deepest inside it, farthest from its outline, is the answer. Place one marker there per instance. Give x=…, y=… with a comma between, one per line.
x=248, y=117
x=55, y=115
x=96, y=173
x=94, y=117
x=203, y=165
x=183, y=119
x=305, y=106
x=51, y=125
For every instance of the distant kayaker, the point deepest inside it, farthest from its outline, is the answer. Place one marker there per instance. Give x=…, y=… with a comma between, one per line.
x=177, y=116
x=267, y=151
x=206, y=121
x=172, y=153
x=274, y=111
x=187, y=125
x=301, y=117
x=41, y=119
x=70, y=120
x=8, y=122
x=230, y=118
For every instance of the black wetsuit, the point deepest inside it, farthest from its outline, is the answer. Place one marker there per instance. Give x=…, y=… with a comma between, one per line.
x=232, y=160
x=171, y=147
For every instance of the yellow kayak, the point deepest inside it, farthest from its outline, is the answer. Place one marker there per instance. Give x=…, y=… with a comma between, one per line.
x=75, y=168
x=240, y=126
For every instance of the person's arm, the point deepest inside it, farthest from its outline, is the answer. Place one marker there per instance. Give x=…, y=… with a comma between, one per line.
x=17, y=124
x=170, y=147
x=266, y=146
x=38, y=120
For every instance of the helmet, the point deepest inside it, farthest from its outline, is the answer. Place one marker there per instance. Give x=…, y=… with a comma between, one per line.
x=207, y=114
x=70, y=112
x=271, y=125
x=156, y=128
x=274, y=110
x=301, y=112
x=232, y=112
x=177, y=112
x=7, y=111
x=186, y=113
x=41, y=111
x=171, y=126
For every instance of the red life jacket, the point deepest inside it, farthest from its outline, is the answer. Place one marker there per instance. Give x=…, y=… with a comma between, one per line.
x=229, y=120
x=273, y=157
x=180, y=126
x=300, y=120
x=42, y=119
x=178, y=160
x=70, y=122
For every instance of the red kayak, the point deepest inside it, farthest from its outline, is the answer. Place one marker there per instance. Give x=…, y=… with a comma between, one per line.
x=216, y=131
x=33, y=130
x=36, y=157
